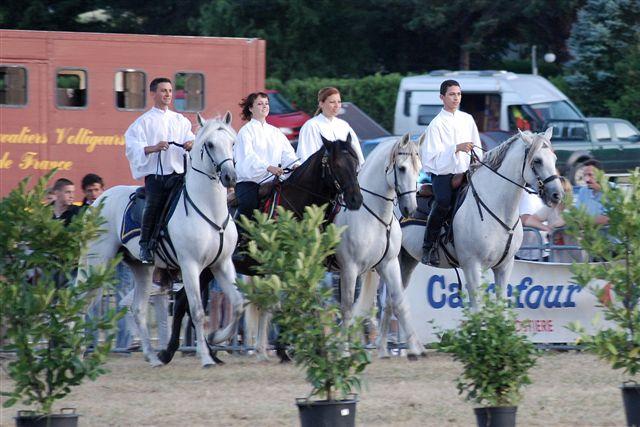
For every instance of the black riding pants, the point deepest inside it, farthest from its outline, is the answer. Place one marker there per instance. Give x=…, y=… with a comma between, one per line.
x=157, y=189
x=248, y=199
x=443, y=194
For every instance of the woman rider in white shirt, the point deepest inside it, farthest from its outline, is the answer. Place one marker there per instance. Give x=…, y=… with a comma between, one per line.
x=261, y=151
x=326, y=124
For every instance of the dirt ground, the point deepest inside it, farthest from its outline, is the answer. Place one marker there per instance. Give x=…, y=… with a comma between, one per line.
x=568, y=389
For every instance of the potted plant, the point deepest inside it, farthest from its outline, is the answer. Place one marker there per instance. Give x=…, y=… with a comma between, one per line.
x=617, y=249
x=495, y=359
x=42, y=311
x=291, y=256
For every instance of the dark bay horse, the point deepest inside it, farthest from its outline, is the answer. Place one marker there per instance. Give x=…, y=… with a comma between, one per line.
x=327, y=175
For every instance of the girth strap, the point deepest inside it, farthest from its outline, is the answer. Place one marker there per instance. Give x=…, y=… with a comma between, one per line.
x=387, y=227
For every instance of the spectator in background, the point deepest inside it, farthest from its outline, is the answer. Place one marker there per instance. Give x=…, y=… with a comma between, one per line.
x=530, y=204
x=63, y=207
x=50, y=196
x=589, y=197
x=92, y=187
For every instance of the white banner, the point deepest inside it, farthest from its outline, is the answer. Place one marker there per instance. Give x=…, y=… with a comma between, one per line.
x=547, y=301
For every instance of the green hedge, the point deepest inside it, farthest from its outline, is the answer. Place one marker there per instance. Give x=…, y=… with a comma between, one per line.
x=375, y=95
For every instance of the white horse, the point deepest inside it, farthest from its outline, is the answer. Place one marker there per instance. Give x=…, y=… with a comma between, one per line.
x=373, y=236
x=200, y=230
x=486, y=229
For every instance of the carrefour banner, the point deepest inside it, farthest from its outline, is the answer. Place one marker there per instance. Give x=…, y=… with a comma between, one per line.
x=543, y=294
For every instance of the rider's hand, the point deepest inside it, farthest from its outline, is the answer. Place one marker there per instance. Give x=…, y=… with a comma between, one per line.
x=464, y=146
x=162, y=146
x=275, y=170
x=187, y=145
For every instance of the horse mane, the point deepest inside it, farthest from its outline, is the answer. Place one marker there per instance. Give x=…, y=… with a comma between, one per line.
x=300, y=171
x=494, y=157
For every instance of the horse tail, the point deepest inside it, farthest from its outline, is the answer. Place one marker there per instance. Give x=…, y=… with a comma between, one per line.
x=368, y=292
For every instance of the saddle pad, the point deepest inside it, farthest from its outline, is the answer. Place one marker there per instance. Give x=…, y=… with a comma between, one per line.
x=131, y=220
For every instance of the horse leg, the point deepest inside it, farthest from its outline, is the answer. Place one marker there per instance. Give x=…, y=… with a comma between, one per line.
x=366, y=300
x=473, y=276
x=501, y=274
x=142, y=291
x=263, y=335
x=180, y=307
x=225, y=274
x=348, y=276
x=390, y=273
x=190, y=278
x=251, y=325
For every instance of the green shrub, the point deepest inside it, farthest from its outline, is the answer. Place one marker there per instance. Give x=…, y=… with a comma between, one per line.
x=43, y=313
x=375, y=95
x=495, y=357
x=291, y=257
x=619, y=251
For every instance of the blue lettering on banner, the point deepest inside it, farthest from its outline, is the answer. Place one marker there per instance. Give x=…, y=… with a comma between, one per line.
x=523, y=295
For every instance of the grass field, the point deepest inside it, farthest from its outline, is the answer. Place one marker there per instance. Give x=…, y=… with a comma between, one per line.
x=568, y=389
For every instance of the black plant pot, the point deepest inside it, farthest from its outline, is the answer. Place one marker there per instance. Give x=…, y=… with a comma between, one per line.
x=631, y=399
x=327, y=413
x=496, y=416
x=66, y=418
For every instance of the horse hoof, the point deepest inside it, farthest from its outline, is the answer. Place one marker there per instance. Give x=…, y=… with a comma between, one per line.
x=208, y=365
x=156, y=363
x=164, y=357
x=412, y=357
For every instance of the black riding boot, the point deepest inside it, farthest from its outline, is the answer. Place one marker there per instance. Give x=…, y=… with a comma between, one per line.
x=430, y=245
x=150, y=213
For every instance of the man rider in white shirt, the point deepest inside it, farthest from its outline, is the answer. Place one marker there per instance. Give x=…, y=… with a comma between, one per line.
x=450, y=137
x=152, y=157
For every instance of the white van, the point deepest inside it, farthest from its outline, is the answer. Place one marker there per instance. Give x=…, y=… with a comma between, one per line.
x=497, y=100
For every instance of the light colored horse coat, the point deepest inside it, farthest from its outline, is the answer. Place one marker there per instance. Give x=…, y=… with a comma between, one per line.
x=480, y=243
x=197, y=242
x=373, y=237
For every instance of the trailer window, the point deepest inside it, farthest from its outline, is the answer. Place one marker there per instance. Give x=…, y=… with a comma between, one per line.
x=188, y=94
x=130, y=88
x=71, y=88
x=13, y=85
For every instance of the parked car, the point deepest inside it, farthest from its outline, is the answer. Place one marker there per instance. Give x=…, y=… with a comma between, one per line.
x=285, y=116
x=615, y=143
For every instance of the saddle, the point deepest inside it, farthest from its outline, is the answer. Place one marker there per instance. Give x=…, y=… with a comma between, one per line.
x=425, y=201
x=132, y=216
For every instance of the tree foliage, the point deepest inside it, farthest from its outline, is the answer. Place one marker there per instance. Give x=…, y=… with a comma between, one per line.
x=605, y=33
x=43, y=313
x=291, y=257
x=619, y=252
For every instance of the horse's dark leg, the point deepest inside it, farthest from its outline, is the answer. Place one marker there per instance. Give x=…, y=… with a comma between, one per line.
x=180, y=307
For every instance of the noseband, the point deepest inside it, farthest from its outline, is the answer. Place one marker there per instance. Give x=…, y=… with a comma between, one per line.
x=217, y=166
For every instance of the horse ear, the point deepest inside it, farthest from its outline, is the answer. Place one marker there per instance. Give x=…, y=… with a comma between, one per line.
x=349, y=137
x=548, y=133
x=327, y=144
x=525, y=137
x=201, y=120
x=405, y=139
x=227, y=118
x=422, y=139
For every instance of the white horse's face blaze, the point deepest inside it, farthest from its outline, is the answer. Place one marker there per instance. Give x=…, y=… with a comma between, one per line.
x=403, y=172
x=213, y=149
x=542, y=166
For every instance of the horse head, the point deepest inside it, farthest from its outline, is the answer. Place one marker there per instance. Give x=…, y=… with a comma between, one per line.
x=539, y=168
x=342, y=162
x=402, y=171
x=213, y=149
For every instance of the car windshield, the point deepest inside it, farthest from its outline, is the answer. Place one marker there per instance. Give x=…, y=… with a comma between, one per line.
x=279, y=105
x=534, y=116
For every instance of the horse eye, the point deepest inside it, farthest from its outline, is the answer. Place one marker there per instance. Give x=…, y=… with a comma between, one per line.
x=209, y=144
x=402, y=169
x=537, y=161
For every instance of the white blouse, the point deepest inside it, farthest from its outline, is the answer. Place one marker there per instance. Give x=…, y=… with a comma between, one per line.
x=444, y=132
x=309, y=140
x=258, y=146
x=149, y=129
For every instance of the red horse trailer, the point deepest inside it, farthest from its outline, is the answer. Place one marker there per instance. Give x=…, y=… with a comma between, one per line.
x=66, y=99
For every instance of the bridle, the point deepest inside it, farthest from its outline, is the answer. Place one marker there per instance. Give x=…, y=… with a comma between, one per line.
x=217, y=166
x=398, y=190
x=327, y=172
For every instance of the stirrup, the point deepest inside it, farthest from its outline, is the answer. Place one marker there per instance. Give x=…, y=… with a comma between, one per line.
x=146, y=256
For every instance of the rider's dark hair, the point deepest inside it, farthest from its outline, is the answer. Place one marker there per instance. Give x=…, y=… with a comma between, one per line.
x=592, y=162
x=61, y=183
x=153, y=86
x=247, y=103
x=90, y=179
x=446, y=85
